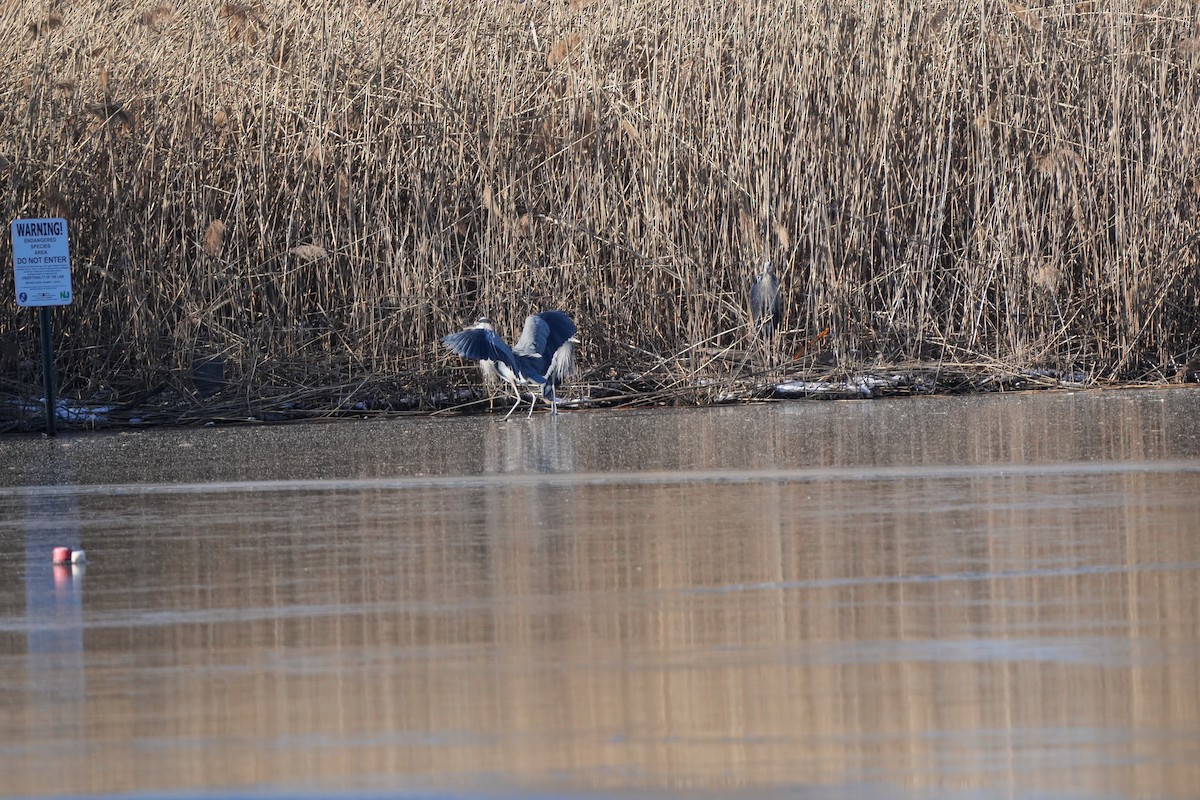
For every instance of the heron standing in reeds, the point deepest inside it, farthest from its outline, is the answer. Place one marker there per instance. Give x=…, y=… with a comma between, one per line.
x=543, y=357
x=765, y=306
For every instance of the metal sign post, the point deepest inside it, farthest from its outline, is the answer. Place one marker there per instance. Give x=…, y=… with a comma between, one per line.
x=42, y=269
x=47, y=367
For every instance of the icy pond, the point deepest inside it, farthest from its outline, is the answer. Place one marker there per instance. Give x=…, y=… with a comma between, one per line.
x=979, y=597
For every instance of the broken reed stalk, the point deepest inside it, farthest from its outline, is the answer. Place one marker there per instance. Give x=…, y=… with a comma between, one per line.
x=319, y=196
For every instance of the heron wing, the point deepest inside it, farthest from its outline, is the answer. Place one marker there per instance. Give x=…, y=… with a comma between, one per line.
x=533, y=337
x=560, y=327
x=544, y=333
x=480, y=344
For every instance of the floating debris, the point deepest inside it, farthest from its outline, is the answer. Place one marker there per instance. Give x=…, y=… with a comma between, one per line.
x=857, y=386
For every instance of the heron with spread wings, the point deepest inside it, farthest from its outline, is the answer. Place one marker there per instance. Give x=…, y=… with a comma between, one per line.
x=543, y=357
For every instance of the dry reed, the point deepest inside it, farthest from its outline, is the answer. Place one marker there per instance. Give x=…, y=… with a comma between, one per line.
x=316, y=193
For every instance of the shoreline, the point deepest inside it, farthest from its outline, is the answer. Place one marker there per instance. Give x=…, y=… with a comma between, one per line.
x=168, y=407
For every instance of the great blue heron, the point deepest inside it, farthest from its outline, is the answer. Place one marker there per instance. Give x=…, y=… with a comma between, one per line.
x=764, y=300
x=543, y=356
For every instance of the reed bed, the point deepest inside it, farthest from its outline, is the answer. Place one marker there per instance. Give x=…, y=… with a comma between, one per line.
x=316, y=192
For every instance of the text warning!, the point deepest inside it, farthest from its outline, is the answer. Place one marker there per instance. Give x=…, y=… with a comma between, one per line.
x=41, y=262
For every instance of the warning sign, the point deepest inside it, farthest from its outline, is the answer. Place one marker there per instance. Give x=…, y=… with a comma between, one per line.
x=41, y=262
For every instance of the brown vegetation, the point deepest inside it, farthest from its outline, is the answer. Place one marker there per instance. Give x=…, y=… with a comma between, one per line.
x=317, y=192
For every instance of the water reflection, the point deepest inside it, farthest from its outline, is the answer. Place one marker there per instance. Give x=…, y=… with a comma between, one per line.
x=1034, y=429
x=883, y=599
x=53, y=671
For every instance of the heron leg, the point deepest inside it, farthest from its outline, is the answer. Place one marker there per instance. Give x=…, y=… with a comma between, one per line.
x=532, y=403
x=517, y=392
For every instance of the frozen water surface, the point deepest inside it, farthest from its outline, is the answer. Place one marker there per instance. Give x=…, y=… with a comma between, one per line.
x=981, y=597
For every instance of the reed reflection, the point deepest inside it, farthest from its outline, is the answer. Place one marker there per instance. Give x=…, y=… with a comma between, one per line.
x=735, y=634
x=1004, y=630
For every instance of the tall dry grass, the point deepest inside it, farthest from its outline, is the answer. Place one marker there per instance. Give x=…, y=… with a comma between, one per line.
x=318, y=191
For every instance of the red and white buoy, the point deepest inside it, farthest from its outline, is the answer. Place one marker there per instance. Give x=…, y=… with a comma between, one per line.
x=62, y=555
